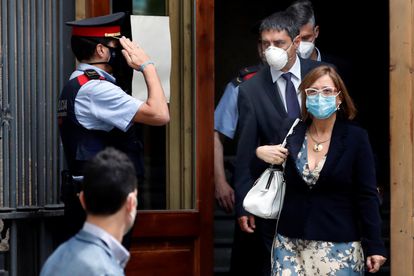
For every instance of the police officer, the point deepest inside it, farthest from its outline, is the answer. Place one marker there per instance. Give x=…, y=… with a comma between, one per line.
x=94, y=112
x=225, y=128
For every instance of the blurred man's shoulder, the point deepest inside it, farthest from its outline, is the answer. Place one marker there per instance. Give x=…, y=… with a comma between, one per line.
x=246, y=73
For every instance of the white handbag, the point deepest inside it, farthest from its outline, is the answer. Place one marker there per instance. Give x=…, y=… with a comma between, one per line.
x=265, y=198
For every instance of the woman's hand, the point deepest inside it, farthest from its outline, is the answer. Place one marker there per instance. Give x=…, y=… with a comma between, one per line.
x=272, y=154
x=374, y=263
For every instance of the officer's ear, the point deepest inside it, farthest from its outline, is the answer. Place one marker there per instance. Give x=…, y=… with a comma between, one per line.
x=297, y=40
x=316, y=31
x=82, y=200
x=100, y=50
x=132, y=202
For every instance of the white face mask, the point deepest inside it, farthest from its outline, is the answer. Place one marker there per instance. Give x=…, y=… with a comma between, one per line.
x=277, y=57
x=305, y=49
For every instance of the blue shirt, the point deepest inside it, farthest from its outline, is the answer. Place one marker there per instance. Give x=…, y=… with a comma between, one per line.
x=119, y=251
x=101, y=104
x=90, y=252
x=226, y=114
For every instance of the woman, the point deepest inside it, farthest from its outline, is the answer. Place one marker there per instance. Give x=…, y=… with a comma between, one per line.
x=330, y=217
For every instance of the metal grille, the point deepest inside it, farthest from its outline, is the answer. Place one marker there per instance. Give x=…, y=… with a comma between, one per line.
x=31, y=77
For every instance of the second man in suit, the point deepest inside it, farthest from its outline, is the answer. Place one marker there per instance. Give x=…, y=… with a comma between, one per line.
x=264, y=102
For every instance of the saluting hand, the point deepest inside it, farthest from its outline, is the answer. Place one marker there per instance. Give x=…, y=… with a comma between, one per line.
x=134, y=55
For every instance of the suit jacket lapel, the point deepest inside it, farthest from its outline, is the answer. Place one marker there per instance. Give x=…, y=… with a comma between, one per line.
x=304, y=67
x=272, y=92
x=295, y=141
x=336, y=147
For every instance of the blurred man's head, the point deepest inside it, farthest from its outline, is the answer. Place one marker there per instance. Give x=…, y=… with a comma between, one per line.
x=110, y=186
x=303, y=13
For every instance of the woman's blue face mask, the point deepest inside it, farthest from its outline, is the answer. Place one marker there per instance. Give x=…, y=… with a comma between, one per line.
x=321, y=107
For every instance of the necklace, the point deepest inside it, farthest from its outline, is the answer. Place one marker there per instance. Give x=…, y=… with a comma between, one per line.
x=318, y=145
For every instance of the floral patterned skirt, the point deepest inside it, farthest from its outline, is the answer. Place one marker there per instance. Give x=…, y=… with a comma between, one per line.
x=306, y=257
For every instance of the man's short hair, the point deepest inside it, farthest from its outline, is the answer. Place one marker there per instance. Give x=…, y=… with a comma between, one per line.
x=303, y=12
x=281, y=21
x=109, y=178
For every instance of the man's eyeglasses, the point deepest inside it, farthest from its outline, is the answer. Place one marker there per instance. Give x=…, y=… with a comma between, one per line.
x=326, y=91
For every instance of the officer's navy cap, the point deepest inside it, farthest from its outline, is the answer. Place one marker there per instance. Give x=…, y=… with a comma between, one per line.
x=101, y=26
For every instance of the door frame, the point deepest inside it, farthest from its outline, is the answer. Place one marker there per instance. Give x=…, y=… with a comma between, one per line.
x=401, y=136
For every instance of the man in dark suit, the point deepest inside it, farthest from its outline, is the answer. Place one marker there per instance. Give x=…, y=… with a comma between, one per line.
x=264, y=102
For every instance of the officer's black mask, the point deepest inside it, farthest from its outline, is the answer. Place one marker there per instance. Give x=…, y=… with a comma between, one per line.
x=115, y=58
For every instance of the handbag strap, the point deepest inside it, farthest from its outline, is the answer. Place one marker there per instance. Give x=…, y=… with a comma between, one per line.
x=297, y=120
x=290, y=132
x=283, y=165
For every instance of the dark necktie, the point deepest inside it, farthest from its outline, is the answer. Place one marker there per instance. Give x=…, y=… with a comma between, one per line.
x=292, y=103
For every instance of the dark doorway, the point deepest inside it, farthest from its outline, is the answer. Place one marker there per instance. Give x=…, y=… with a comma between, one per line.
x=152, y=138
x=355, y=31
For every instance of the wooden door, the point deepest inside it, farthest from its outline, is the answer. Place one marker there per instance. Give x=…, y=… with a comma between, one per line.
x=181, y=242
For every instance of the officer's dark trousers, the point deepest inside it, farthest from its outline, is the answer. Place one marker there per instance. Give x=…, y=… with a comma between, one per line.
x=246, y=254
x=251, y=252
x=266, y=229
x=74, y=217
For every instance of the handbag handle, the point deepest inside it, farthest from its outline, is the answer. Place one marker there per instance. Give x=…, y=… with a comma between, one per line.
x=290, y=132
x=297, y=120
